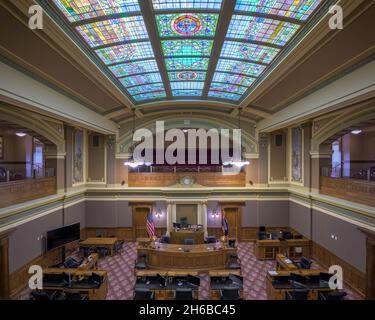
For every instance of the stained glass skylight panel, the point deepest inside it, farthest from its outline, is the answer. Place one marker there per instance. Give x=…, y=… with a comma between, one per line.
x=140, y=79
x=234, y=66
x=300, y=9
x=146, y=88
x=187, y=93
x=261, y=29
x=228, y=88
x=78, y=10
x=126, y=52
x=187, y=47
x=138, y=67
x=187, y=76
x=233, y=79
x=248, y=51
x=187, y=24
x=186, y=63
x=186, y=4
x=192, y=85
x=224, y=95
x=114, y=30
x=150, y=96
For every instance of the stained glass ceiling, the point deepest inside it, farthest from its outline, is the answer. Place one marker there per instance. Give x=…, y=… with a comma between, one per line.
x=184, y=49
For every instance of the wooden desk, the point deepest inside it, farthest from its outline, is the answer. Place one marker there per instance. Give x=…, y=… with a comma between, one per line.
x=215, y=293
x=166, y=273
x=284, y=263
x=93, y=294
x=200, y=257
x=280, y=293
x=268, y=249
x=101, y=242
x=178, y=237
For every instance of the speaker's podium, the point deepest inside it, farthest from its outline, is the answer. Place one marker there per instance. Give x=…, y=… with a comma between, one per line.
x=179, y=235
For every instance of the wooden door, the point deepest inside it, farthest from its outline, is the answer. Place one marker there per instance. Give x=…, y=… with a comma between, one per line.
x=233, y=214
x=140, y=215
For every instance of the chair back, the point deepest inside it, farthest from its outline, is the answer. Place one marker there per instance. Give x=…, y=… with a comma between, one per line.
x=142, y=294
x=300, y=294
x=230, y=293
x=184, y=294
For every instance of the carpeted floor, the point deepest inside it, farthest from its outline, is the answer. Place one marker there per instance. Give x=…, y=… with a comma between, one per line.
x=121, y=276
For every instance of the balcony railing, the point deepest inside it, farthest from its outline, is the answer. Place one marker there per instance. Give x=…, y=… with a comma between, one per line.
x=355, y=190
x=19, y=191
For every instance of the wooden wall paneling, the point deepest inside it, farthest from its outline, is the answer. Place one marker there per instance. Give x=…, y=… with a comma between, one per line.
x=370, y=264
x=4, y=264
x=352, y=276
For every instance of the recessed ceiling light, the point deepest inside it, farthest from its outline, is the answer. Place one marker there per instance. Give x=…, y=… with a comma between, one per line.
x=20, y=134
x=356, y=132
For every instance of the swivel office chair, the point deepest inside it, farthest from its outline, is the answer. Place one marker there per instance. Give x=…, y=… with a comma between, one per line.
x=230, y=293
x=189, y=242
x=165, y=239
x=141, y=262
x=334, y=295
x=184, y=294
x=42, y=295
x=305, y=263
x=211, y=239
x=297, y=294
x=234, y=262
x=102, y=251
x=74, y=295
x=143, y=294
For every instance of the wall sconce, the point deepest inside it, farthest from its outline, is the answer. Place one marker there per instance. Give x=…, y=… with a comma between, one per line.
x=158, y=214
x=215, y=215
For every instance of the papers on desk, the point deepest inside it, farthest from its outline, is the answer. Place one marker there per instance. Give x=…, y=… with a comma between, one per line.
x=273, y=273
x=288, y=261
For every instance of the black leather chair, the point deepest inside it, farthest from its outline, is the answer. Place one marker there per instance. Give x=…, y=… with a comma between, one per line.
x=141, y=263
x=234, y=262
x=262, y=235
x=165, y=239
x=143, y=294
x=262, y=229
x=230, y=293
x=184, y=294
x=43, y=295
x=211, y=239
x=305, y=263
x=333, y=296
x=118, y=245
x=287, y=235
x=189, y=242
x=102, y=251
x=74, y=295
x=72, y=263
x=297, y=294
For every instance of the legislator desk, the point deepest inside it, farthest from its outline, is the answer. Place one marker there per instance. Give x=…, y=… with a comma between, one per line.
x=278, y=283
x=200, y=257
x=294, y=248
x=164, y=285
x=285, y=263
x=90, y=263
x=101, y=242
x=220, y=279
x=84, y=281
x=178, y=236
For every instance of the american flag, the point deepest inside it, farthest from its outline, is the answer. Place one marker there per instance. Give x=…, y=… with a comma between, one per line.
x=150, y=226
x=225, y=226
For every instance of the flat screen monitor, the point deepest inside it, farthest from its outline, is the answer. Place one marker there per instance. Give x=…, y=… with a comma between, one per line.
x=97, y=278
x=238, y=280
x=297, y=278
x=61, y=236
x=162, y=280
x=194, y=280
x=66, y=278
x=324, y=276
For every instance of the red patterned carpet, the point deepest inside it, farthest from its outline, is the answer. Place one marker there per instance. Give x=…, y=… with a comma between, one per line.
x=121, y=276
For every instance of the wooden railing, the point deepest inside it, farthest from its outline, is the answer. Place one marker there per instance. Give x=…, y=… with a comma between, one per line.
x=24, y=190
x=359, y=191
x=207, y=179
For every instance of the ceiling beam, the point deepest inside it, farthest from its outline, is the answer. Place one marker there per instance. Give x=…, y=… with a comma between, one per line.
x=227, y=10
x=149, y=18
x=120, y=111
